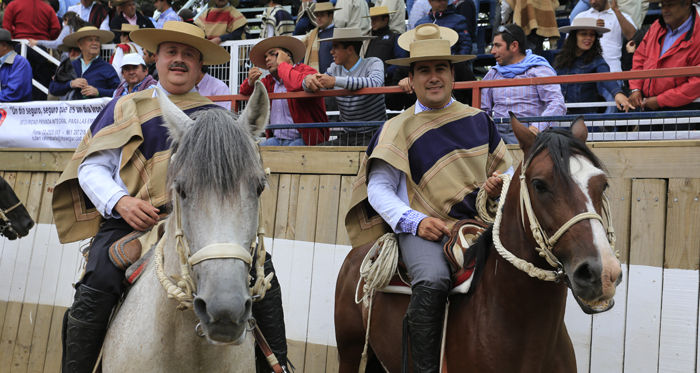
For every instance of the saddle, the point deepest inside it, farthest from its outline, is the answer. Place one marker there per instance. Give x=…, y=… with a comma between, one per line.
x=132, y=252
x=460, y=254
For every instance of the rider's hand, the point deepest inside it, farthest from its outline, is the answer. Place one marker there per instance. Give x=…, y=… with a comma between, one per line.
x=138, y=213
x=493, y=185
x=432, y=229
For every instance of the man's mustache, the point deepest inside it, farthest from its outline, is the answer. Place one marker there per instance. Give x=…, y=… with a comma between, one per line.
x=180, y=65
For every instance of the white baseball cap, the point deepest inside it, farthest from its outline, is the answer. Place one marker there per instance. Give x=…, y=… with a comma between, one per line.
x=133, y=59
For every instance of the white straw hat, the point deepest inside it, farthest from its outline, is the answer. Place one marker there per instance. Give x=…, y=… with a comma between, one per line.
x=429, y=42
x=584, y=23
x=183, y=33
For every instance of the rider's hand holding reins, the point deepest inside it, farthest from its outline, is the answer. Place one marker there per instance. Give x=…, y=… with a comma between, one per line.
x=138, y=213
x=493, y=185
x=432, y=229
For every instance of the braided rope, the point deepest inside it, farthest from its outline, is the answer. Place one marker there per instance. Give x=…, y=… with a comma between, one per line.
x=378, y=273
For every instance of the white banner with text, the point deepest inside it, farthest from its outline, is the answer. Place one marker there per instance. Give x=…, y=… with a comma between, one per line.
x=47, y=124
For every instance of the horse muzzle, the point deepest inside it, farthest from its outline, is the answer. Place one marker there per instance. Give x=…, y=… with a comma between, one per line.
x=221, y=322
x=593, y=286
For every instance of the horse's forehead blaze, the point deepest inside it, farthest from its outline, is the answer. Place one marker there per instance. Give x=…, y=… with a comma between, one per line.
x=582, y=171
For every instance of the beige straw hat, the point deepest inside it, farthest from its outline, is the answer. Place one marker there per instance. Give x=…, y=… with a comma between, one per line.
x=429, y=42
x=584, y=23
x=325, y=7
x=378, y=11
x=127, y=28
x=348, y=34
x=183, y=33
x=104, y=35
x=290, y=43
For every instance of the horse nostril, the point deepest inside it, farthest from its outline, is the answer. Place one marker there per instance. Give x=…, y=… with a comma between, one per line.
x=200, y=309
x=585, y=275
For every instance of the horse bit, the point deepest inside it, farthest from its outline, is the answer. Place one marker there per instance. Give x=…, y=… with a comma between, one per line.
x=6, y=224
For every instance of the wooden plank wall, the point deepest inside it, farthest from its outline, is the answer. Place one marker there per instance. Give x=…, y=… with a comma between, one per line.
x=656, y=210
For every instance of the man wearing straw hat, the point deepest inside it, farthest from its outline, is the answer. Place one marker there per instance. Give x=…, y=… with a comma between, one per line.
x=416, y=180
x=349, y=71
x=127, y=145
x=397, y=14
x=96, y=77
x=222, y=22
x=127, y=15
x=318, y=55
x=385, y=44
x=278, y=55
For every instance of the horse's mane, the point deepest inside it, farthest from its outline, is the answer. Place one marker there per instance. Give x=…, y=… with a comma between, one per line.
x=481, y=248
x=562, y=145
x=214, y=154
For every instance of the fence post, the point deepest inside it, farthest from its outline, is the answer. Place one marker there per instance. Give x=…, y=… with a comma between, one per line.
x=233, y=72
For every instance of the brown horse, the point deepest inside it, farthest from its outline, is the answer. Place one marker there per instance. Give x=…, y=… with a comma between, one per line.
x=509, y=321
x=15, y=221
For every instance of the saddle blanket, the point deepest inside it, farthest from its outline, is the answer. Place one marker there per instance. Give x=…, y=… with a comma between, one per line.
x=132, y=252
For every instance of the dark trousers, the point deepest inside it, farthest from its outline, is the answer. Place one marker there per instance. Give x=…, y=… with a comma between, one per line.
x=100, y=273
x=42, y=71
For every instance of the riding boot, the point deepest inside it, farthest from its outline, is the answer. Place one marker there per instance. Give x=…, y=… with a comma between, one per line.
x=424, y=319
x=269, y=316
x=84, y=328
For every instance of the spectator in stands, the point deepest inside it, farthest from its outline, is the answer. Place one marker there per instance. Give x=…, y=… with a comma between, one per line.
x=444, y=15
x=468, y=10
x=349, y=71
x=208, y=85
x=672, y=41
x=71, y=23
x=277, y=55
x=582, y=54
x=148, y=9
x=3, y=6
x=150, y=59
x=125, y=47
x=64, y=5
x=276, y=21
x=543, y=25
x=351, y=13
x=71, y=53
x=635, y=8
x=15, y=72
x=385, y=45
x=515, y=62
x=187, y=15
x=128, y=15
x=306, y=20
x=95, y=77
x=135, y=75
x=631, y=47
x=222, y=22
x=167, y=13
x=318, y=55
x=397, y=14
x=420, y=9
x=94, y=12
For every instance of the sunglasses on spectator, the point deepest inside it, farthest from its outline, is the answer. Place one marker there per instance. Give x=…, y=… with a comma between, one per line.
x=503, y=29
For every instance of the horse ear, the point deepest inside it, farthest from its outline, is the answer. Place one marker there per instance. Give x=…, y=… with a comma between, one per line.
x=579, y=130
x=175, y=119
x=525, y=137
x=257, y=113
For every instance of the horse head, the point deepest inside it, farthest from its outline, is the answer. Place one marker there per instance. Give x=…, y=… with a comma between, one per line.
x=15, y=221
x=565, y=183
x=215, y=178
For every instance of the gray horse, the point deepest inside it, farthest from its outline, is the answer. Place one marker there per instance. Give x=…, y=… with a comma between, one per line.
x=215, y=177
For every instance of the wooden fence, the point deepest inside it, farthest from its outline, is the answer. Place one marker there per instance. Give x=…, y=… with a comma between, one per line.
x=655, y=190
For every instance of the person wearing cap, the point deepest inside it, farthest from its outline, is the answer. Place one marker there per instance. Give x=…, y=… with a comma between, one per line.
x=416, y=181
x=167, y=13
x=352, y=13
x=126, y=46
x=208, y=85
x=581, y=54
x=222, y=22
x=278, y=55
x=135, y=76
x=275, y=20
x=92, y=11
x=513, y=61
x=15, y=72
x=385, y=44
x=104, y=182
x=397, y=14
x=318, y=55
x=127, y=15
x=672, y=41
x=350, y=71
x=96, y=77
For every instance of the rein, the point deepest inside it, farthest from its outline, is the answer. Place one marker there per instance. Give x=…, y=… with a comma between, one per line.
x=6, y=223
x=545, y=243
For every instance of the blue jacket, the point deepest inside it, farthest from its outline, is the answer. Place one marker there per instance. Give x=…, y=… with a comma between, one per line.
x=100, y=75
x=586, y=92
x=16, y=79
x=454, y=21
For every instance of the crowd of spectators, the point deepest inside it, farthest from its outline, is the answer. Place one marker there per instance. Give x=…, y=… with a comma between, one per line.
x=347, y=45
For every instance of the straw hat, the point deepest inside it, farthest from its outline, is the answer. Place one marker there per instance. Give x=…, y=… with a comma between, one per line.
x=127, y=28
x=72, y=39
x=233, y=3
x=183, y=33
x=378, y=11
x=584, y=23
x=290, y=43
x=348, y=34
x=325, y=7
x=429, y=42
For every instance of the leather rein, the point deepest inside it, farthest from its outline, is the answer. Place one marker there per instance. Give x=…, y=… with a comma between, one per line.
x=5, y=222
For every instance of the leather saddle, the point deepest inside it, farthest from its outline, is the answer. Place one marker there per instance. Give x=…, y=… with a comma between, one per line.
x=132, y=252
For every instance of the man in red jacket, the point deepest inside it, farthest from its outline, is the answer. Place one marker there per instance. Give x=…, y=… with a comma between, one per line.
x=277, y=55
x=672, y=41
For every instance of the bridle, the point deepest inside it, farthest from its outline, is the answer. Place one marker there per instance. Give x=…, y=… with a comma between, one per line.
x=545, y=243
x=5, y=222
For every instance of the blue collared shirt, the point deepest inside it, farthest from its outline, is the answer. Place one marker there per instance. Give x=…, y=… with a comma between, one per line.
x=84, y=66
x=672, y=36
x=4, y=58
x=136, y=87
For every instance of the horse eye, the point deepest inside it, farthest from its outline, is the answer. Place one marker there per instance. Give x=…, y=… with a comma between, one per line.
x=180, y=190
x=538, y=186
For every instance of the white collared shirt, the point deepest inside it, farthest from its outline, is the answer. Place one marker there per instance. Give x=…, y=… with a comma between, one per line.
x=84, y=14
x=611, y=42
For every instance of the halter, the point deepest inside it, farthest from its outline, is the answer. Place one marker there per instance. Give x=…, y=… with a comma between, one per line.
x=6, y=224
x=544, y=242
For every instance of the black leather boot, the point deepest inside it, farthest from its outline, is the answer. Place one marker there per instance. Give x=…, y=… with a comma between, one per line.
x=269, y=316
x=84, y=328
x=424, y=319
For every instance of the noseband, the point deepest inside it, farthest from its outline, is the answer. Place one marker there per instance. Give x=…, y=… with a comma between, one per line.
x=5, y=223
x=544, y=242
